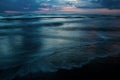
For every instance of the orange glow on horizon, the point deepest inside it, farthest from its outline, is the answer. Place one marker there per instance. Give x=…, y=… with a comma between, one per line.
x=10, y=11
x=45, y=9
x=102, y=10
x=69, y=8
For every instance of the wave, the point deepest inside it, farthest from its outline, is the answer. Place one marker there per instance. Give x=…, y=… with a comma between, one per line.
x=23, y=16
x=32, y=43
x=51, y=61
x=91, y=29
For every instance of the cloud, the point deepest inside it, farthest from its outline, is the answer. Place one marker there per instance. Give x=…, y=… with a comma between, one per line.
x=33, y=5
x=110, y=4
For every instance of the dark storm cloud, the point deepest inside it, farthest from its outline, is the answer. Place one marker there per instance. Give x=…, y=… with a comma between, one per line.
x=18, y=5
x=110, y=4
x=31, y=5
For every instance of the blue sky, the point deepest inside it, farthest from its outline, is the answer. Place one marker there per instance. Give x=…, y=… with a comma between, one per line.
x=59, y=5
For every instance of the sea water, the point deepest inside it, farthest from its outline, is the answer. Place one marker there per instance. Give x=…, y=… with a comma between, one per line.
x=49, y=42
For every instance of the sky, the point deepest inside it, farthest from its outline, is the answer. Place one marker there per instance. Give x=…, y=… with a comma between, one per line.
x=85, y=6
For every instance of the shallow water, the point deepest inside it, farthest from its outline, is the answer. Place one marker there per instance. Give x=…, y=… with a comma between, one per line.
x=46, y=43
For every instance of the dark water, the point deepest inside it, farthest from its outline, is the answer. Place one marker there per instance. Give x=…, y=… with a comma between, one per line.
x=32, y=43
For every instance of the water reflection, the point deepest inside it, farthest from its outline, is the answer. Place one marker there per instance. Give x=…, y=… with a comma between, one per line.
x=50, y=48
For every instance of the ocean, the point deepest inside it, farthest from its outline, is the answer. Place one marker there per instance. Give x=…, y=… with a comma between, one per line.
x=33, y=43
